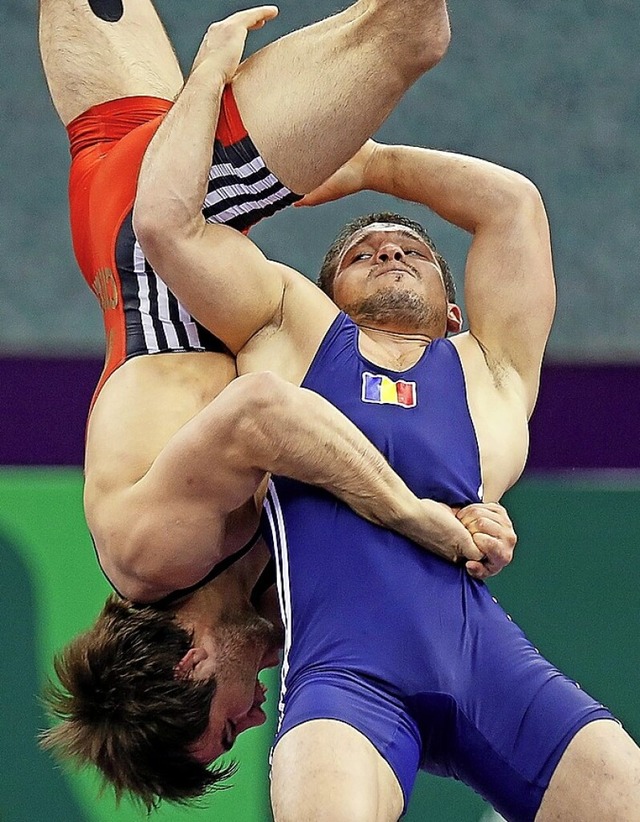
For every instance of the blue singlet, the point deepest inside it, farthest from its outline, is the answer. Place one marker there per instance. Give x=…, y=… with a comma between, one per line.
x=388, y=638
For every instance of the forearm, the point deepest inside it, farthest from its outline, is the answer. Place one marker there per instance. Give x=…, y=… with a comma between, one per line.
x=299, y=434
x=465, y=191
x=173, y=178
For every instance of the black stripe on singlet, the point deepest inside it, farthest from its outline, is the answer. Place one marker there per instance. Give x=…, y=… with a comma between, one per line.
x=245, y=221
x=136, y=341
x=208, y=340
x=265, y=581
x=217, y=569
x=221, y=180
x=154, y=309
x=236, y=155
x=177, y=322
x=125, y=247
x=212, y=211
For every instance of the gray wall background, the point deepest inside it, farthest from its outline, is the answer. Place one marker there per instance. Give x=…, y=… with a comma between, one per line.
x=549, y=88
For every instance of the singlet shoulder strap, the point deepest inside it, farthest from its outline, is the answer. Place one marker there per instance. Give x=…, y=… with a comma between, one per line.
x=217, y=569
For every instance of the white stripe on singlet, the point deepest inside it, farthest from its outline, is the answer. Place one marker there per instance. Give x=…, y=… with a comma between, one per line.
x=140, y=268
x=152, y=318
x=246, y=208
x=274, y=514
x=222, y=193
x=143, y=273
x=229, y=170
x=190, y=327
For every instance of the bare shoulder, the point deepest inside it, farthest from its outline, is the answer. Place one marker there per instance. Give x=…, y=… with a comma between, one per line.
x=140, y=408
x=497, y=403
x=288, y=345
x=484, y=371
x=142, y=404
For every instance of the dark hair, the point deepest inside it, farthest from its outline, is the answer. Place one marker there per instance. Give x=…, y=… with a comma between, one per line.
x=124, y=711
x=329, y=265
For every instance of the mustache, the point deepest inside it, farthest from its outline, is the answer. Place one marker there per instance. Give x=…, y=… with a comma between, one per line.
x=375, y=270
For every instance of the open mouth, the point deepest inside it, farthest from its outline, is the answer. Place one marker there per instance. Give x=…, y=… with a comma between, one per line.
x=256, y=714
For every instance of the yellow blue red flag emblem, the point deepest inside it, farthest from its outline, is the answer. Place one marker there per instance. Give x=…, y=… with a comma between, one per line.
x=382, y=390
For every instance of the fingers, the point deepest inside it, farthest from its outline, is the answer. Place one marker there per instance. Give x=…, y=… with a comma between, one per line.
x=254, y=18
x=223, y=44
x=323, y=194
x=492, y=533
x=484, y=511
x=304, y=202
x=477, y=570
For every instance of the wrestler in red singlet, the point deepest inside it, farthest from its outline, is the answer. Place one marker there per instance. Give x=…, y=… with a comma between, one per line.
x=108, y=143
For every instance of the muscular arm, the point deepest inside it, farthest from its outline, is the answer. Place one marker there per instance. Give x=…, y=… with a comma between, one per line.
x=509, y=286
x=218, y=274
x=225, y=281
x=218, y=460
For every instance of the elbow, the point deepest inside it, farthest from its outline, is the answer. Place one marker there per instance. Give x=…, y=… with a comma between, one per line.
x=261, y=399
x=151, y=224
x=517, y=199
x=527, y=194
x=158, y=225
x=530, y=210
x=261, y=395
x=148, y=224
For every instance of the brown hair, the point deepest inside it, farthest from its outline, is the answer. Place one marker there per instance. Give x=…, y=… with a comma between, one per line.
x=329, y=265
x=124, y=711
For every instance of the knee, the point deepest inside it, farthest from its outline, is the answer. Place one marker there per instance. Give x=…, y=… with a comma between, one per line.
x=427, y=45
x=417, y=34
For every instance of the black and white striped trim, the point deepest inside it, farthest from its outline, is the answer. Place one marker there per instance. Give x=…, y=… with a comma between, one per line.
x=241, y=189
x=155, y=320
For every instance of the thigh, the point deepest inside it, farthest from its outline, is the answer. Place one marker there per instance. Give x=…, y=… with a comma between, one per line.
x=312, y=98
x=515, y=713
x=88, y=61
x=597, y=778
x=326, y=771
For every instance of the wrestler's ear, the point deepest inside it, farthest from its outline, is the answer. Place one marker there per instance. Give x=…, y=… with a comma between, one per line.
x=185, y=669
x=454, y=318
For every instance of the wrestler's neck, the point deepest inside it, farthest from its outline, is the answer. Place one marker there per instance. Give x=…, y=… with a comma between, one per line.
x=392, y=348
x=229, y=592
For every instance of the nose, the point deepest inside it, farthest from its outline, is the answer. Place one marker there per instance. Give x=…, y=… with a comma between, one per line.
x=389, y=251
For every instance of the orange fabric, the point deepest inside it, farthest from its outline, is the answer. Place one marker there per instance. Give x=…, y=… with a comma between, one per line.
x=108, y=143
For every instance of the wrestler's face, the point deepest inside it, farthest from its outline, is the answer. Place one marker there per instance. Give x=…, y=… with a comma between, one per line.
x=236, y=652
x=388, y=277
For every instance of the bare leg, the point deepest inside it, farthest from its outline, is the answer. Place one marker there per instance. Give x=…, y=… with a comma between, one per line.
x=598, y=778
x=312, y=98
x=326, y=771
x=88, y=61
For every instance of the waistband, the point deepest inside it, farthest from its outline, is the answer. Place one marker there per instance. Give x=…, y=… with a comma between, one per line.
x=111, y=121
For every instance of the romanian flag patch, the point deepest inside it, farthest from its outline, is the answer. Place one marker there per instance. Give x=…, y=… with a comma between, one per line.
x=382, y=390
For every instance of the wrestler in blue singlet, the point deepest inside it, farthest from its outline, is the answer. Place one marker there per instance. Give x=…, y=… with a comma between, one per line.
x=403, y=646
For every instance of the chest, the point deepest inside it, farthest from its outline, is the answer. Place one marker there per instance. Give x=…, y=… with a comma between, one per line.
x=418, y=419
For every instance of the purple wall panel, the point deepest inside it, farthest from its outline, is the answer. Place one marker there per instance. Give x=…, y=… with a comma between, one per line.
x=588, y=416
x=43, y=409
